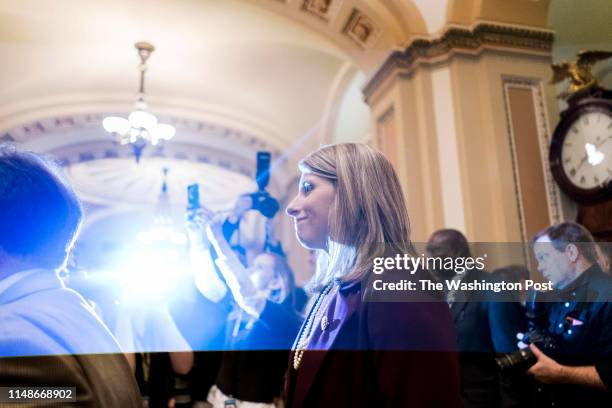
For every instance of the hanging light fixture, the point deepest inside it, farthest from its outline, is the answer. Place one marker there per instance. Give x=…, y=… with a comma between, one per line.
x=141, y=127
x=163, y=232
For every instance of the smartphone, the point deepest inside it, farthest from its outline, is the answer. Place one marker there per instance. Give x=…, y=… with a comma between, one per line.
x=262, y=177
x=193, y=197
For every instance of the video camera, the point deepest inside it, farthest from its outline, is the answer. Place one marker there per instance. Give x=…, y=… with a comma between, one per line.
x=263, y=202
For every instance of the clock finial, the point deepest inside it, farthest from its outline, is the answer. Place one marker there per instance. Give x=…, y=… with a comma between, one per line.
x=578, y=72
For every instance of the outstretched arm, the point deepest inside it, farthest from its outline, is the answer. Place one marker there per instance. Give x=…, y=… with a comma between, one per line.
x=235, y=274
x=205, y=276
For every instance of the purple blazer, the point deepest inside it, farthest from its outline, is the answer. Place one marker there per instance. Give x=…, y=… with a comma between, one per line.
x=378, y=354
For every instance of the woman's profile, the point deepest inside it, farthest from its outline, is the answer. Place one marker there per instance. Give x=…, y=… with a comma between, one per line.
x=350, y=209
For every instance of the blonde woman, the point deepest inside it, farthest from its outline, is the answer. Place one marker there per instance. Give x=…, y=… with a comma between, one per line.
x=351, y=353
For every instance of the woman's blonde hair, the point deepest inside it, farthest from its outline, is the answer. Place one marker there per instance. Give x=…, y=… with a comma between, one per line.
x=368, y=216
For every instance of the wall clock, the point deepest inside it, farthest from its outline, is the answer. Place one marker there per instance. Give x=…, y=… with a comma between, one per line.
x=581, y=149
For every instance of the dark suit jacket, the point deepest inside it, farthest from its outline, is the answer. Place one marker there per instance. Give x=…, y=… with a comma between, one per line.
x=470, y=312
x=377, y=354
x=479, y=378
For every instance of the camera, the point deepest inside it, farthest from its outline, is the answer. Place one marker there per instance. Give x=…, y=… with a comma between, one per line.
x=537, y=334
x=523, y=359
x=263, y=202
x=193, y=200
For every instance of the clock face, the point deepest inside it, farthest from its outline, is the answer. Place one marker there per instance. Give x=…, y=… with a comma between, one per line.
x=581, y=150
x=586, y=151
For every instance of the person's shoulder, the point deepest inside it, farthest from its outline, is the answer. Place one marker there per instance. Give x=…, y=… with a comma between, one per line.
x=28, y=341
x=600, y=285
x=599, y=277
x=21, y=333
x=65, y=306
x=61, y=318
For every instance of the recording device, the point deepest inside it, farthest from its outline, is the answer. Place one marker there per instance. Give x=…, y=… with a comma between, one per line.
x=262, y=177
x=537, y=334
x=193, y=198
x=263, y=202
x=523, y=359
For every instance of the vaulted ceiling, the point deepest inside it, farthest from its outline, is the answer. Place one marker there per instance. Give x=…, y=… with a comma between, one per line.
x=234, y=76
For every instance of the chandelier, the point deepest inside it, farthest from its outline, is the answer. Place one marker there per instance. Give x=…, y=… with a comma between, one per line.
x=141, y=127
x=163, y=232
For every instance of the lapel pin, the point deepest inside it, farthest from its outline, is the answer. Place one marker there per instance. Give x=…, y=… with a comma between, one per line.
x=324, y=323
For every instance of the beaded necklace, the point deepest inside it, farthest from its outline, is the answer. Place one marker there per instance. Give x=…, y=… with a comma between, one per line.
x=304, y=338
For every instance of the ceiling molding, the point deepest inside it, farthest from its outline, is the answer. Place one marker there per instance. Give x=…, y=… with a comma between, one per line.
x=83, y=108
x=80, y=139
x=88, y=127
x=461, y=40
x=360, y=29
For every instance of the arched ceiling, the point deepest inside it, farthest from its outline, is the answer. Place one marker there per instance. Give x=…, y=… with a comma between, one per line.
x=239, y=63
x=272, y=73
x=266, y=74
x=214, y=58
x=233, y=76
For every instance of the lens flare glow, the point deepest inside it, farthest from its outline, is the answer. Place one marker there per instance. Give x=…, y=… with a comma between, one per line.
x=150, y=274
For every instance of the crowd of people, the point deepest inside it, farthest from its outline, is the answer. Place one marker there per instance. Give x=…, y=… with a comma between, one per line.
x=251, y=339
